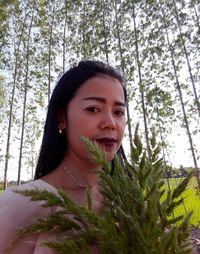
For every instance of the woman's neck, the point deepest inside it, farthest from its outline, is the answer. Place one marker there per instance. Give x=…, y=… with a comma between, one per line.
x=83, y=174
x=73, y=174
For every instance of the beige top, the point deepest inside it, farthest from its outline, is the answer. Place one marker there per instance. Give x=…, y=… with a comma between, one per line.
x=17, y=211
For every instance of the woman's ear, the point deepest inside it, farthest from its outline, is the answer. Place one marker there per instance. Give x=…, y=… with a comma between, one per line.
x=61, y=120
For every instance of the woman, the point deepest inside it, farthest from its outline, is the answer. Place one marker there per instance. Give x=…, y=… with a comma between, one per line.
x=89, y=100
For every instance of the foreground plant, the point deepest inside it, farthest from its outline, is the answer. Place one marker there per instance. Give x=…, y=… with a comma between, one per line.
x=136, y=216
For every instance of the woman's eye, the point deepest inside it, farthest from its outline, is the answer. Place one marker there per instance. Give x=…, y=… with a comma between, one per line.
x=92, y=109
x=119, y=113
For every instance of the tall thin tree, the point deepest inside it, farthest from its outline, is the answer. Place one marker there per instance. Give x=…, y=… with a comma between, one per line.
x=10, y=118
x=141, y=88
x=122, y=66
x=178, y=87
x=26, y=81
x=187, y=58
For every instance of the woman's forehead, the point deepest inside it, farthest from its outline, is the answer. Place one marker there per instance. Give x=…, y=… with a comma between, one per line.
x=101, y=85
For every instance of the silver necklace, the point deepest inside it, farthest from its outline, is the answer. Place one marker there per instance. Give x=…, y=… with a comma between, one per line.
x=74, y=179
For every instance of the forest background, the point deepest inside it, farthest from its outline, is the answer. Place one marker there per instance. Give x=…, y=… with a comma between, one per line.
x=154, y=43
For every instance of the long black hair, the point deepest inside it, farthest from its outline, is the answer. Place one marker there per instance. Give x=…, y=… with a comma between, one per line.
x=54, y=145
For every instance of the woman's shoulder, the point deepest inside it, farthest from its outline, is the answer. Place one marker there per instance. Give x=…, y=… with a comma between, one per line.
x=17, y=211
x=10, y=195
x=37, y=184
x=11, y=201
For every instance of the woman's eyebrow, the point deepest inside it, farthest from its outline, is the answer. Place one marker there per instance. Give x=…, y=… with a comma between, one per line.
x=103, y=100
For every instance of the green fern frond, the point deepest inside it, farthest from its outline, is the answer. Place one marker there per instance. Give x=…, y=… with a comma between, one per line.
x=42, y=195
x=182, y=186
x=136, y=213
x=97, y=155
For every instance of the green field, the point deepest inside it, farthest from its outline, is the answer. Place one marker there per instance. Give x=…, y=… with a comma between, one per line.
x=191, y=201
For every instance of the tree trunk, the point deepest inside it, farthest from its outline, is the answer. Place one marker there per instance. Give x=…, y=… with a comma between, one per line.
x=49, y=56
x=187, y=59
x=104, y=31
x=10, y=117
x=64, y=38
x=123, y=71
x=197, y=18
x=140, y=81
x=25, y=96
x=178, y=87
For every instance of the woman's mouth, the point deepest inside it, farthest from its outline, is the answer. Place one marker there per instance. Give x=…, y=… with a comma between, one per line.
x=106, y=142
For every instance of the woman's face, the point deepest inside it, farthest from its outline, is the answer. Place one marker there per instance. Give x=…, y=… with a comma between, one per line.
x=97, y=112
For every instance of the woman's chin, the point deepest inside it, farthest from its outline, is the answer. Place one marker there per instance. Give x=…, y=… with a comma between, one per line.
x=110, y=156
x=110, y=151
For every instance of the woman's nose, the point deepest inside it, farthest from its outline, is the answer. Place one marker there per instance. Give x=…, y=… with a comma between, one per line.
x=108, y=121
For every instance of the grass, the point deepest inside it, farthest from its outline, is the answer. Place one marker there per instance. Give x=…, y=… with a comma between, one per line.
x=191, y=200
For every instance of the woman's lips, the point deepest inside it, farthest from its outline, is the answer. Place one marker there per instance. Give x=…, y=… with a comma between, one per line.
x=106, y=142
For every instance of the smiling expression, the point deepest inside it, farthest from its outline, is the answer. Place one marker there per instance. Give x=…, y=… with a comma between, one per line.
x=97, y=111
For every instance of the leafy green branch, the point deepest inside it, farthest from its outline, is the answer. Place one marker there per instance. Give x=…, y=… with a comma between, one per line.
x=136, y=209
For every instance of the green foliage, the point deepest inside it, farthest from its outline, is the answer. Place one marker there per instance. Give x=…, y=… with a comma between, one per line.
x=191, y=200
x=135, y=216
